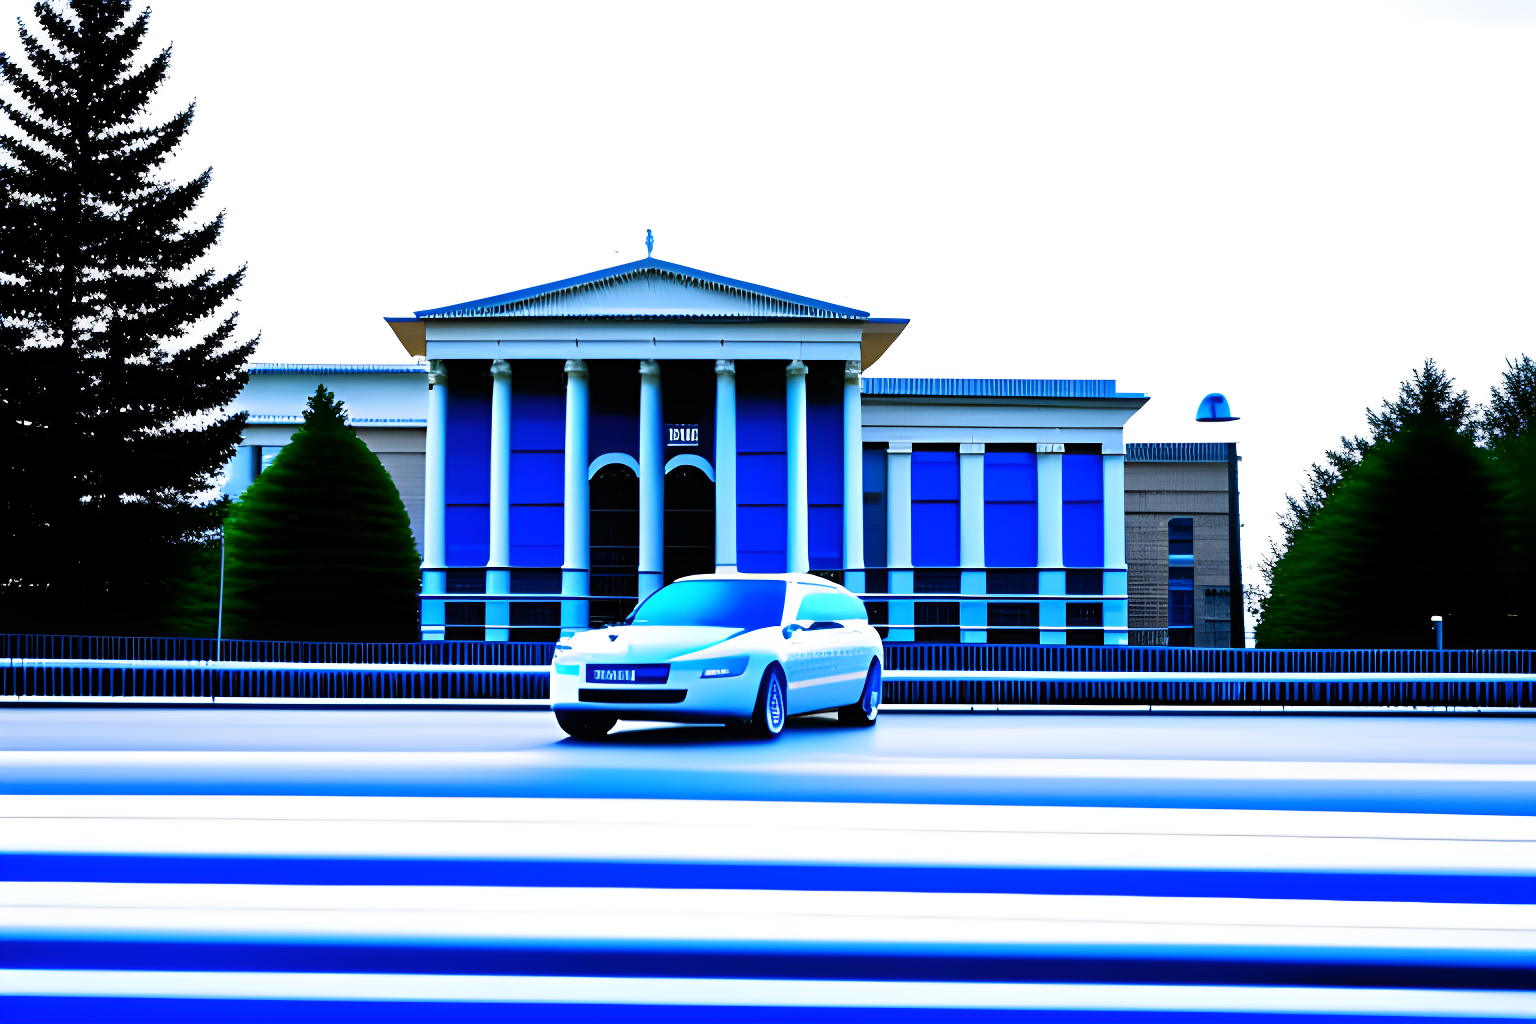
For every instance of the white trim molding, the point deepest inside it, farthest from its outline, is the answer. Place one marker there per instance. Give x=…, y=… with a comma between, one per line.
x=698, y=461
x=610, y=459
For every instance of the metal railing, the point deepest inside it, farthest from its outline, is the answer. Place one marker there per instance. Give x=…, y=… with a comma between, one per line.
x=119, y=668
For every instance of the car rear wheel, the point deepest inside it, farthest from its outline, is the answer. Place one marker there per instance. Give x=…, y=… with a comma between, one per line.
x=772, y=704
x=867, y=709
x=584, y=725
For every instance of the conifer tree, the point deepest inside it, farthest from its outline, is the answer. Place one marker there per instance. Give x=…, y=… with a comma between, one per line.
x=1428, y=392
x=114, y=358
x=1508, y=426
x=319, y=547
x=1416, y=527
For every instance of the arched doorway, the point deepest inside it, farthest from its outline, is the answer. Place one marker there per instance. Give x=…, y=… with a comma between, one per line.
x=689, y=523
x=614, y=520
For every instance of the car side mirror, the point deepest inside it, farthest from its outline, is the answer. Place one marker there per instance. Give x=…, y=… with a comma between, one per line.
x=789, y=630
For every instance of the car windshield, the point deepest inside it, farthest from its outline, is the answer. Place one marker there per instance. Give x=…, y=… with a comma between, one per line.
x=739, y=604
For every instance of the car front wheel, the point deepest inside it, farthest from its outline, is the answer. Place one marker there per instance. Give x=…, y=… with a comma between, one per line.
x=868, y=708
x=584, y=725
x=772, y=704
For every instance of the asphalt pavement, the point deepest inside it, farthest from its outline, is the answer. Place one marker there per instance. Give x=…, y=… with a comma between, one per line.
x=251, y=864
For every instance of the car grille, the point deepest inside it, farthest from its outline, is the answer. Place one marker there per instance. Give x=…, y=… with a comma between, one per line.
x=632, y=696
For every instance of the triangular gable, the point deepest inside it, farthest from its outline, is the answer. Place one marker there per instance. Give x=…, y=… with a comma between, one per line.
x=648, y=289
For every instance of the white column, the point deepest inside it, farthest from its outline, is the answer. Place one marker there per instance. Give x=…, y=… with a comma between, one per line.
x=797, y=549
x=1053, y=577
x=498, y=614
x=853, y=478
x=1116, y=613
x=725, y=465
x=973, y=542
x=652, y=480
x=898, y=534
x=575, y=615
x=434, y=508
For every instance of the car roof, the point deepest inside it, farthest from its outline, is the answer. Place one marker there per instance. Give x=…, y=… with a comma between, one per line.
x=788, y=577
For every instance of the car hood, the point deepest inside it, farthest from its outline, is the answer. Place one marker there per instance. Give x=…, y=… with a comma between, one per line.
x=644, y=644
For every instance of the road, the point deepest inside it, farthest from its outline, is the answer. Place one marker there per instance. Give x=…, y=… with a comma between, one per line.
x=248, y=864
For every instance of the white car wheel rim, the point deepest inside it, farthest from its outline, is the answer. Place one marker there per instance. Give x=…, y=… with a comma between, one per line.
x=775, y=705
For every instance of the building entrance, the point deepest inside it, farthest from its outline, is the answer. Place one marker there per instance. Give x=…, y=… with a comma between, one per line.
x=614, y=493
x=689, y=524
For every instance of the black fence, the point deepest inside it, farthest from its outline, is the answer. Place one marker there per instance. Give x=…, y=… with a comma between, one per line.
x=416, y=671
x=385, y=671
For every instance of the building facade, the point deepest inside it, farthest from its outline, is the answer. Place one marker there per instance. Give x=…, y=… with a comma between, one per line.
x=577, y=445
x=1185, y=561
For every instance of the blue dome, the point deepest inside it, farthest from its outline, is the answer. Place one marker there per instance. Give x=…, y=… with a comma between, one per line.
x=1214, y=409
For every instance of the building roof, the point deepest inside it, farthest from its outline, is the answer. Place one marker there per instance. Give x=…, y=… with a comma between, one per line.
x=335, y=368
x=647, y=289
x=267, y=419
x=993, y=387
x=1177, y=451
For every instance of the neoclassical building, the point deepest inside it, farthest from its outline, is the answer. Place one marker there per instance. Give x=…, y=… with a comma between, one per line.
x=583, y=442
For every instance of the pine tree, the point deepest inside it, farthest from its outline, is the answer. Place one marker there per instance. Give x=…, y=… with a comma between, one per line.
x=1417, y=527
x=319, y=547
x=113, y=435
x=1508, y=427
x=1511, y=411
x=1428, y=392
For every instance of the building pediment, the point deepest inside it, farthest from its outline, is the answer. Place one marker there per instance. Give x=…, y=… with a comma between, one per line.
x=648, y=289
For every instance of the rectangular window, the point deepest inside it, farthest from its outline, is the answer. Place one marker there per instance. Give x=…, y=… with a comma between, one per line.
x=936, y=508
x=1013, y=581
x=1082, y=510
x=1010, y=488
x=1181, y=582
x=936, y=581
x=1012, y=616
x=937, y=613
x=874, y=506
x=761, y=467
x=1085, y=581
x=1085, y=614
x=937, y=622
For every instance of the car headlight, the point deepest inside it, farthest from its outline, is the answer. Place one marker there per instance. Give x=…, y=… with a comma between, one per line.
x=724, y=667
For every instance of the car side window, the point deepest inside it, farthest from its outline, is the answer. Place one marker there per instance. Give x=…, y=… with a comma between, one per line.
x=831, y=605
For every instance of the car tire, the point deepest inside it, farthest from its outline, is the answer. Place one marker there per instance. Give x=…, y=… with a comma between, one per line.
x=584, y=725
x=867, y=709
x=772, y=707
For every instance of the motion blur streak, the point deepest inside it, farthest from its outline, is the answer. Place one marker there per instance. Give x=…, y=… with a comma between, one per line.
x=472, y=866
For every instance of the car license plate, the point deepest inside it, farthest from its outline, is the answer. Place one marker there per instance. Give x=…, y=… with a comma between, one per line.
x=627, y=673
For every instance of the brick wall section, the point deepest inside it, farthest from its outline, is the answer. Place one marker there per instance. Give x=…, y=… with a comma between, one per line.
x=1156, y=492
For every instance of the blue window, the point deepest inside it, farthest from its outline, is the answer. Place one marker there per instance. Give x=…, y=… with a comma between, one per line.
x=874, y=507
x=1011, y=489
x=1181, y=582
x=936, y=508
x=1082, y=510
x=737, y=604
x=761, y=467
x=831, y=606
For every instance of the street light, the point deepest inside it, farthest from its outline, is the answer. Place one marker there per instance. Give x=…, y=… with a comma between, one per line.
x=1439, y=622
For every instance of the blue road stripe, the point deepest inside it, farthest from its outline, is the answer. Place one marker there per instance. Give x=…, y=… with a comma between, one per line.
x=1315, y=885
x=63, y=1010
x=1333, y=967
x=556, y=781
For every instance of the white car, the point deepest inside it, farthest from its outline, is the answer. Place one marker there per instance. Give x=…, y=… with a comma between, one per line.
x=744, y=649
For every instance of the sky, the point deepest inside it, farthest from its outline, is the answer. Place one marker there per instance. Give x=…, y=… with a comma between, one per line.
x=1291, y=203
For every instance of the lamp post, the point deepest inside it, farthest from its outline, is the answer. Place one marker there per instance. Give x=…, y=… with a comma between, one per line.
x=218, y=629
x=1439, y=622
